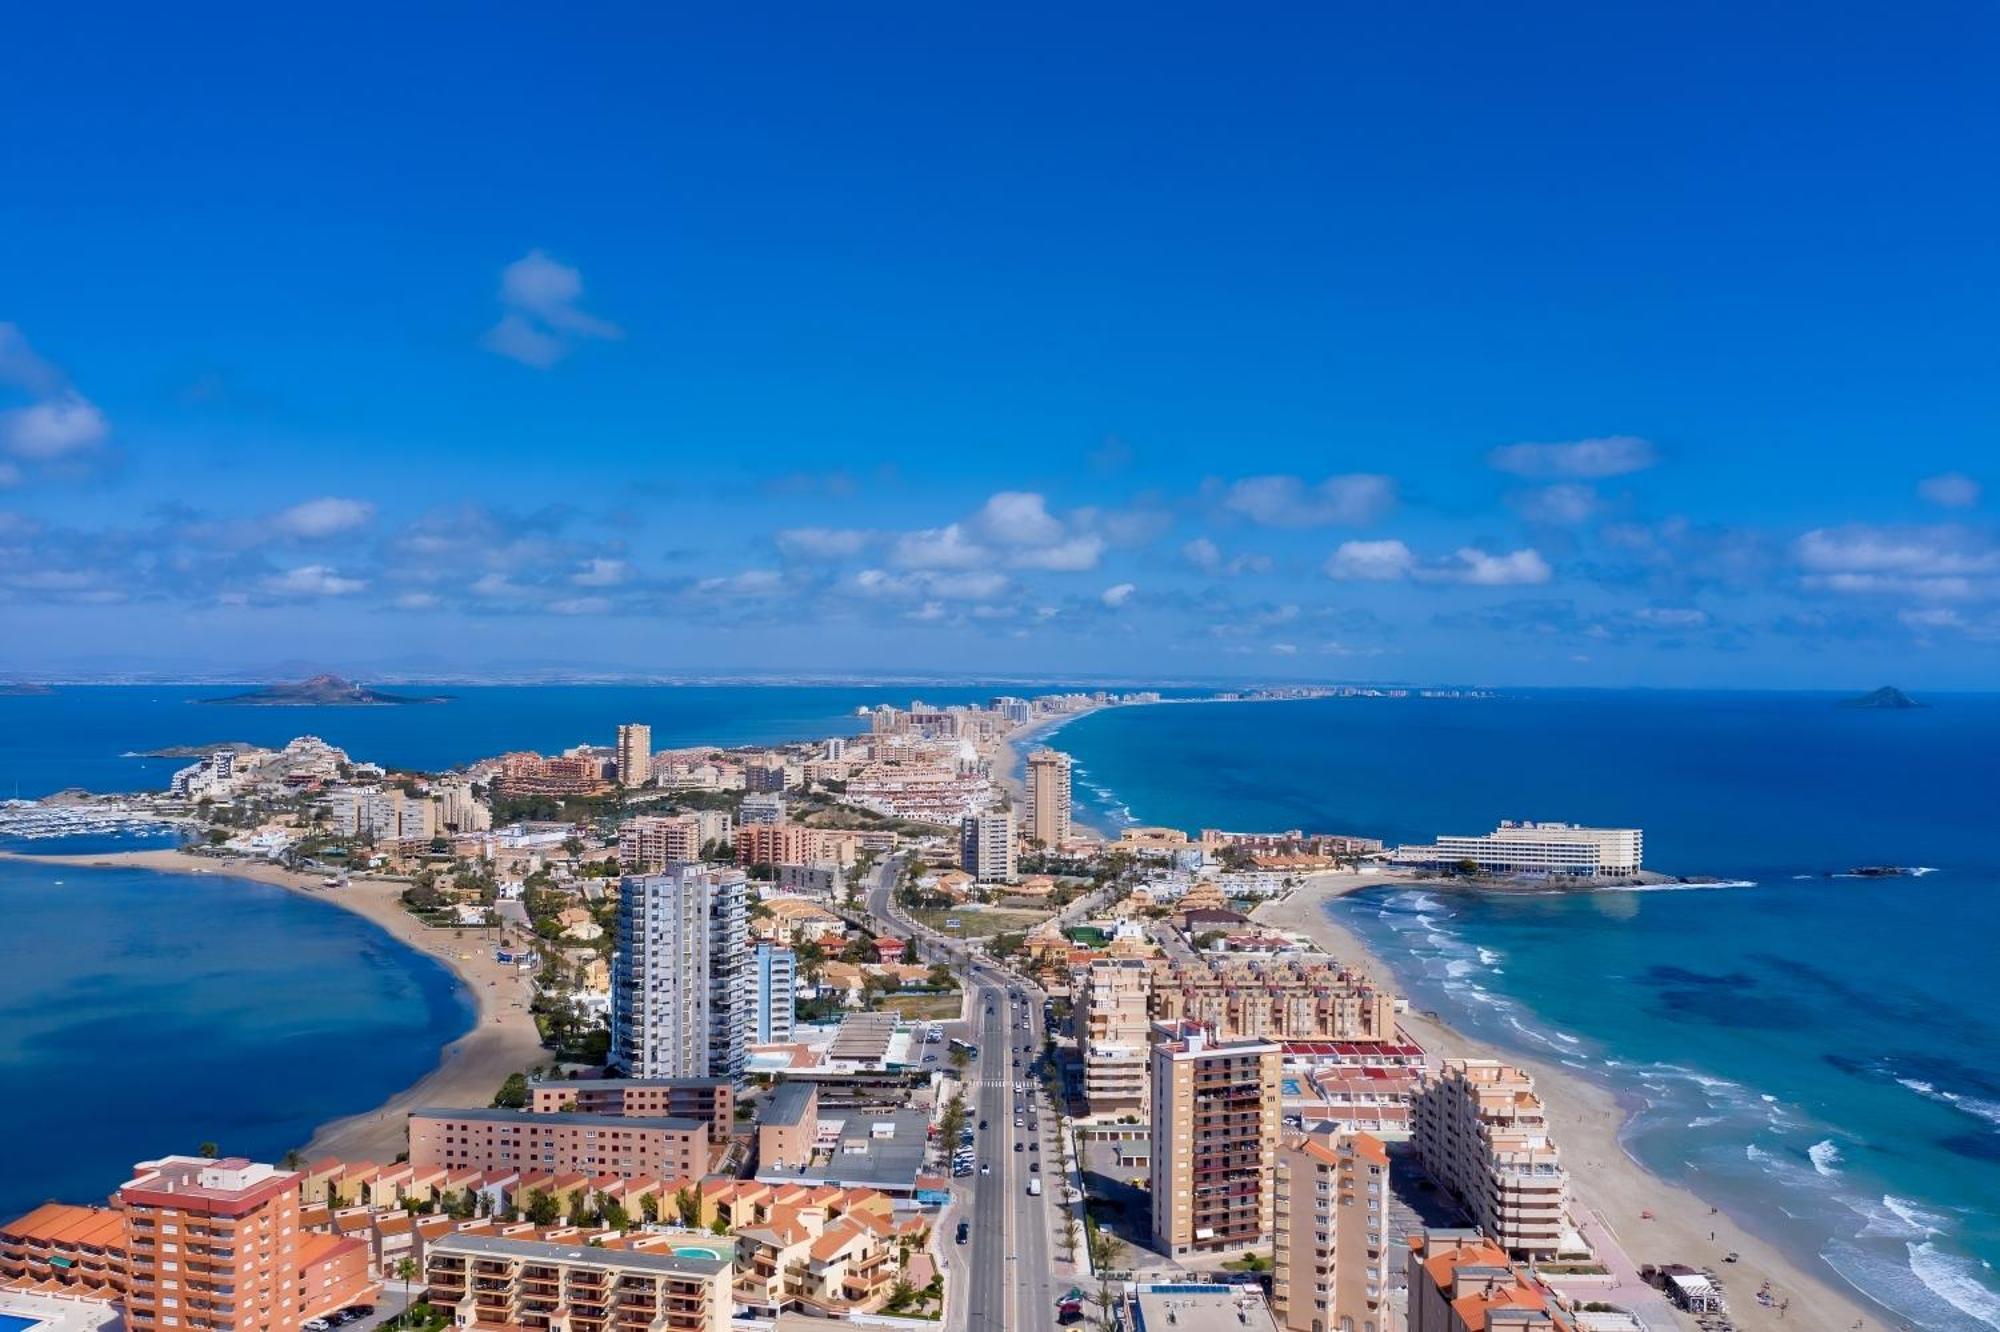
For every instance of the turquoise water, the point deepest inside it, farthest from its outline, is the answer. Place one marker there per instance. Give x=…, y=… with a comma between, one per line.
x=145, y=1013
x=1816, y=1055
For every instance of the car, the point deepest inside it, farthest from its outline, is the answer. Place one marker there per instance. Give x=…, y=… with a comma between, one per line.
x=986, y=1170
x=1034, y=1167
x=930, y=1059
x=361, y=1310
x=982, y=1123
x=1020, y=1146
x=316, y=1325
x=1034, y=1146
x=964, y=1229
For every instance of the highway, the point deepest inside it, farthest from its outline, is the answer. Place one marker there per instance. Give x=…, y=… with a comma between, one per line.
x=1004, y=1273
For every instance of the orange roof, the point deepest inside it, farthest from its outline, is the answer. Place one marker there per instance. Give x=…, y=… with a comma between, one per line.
x=71, y=1225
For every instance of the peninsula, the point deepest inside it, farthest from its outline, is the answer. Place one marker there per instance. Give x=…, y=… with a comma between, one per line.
x=322, y=691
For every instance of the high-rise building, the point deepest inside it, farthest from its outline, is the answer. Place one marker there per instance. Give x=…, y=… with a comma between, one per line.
x=775, y=990
x=1483, y=1136
x=1330, y=1266
x=651, y=842
x=1113, y=1029
x=1216, y=1113
x=761, y=808
x=729, y=978
x=216, y=1246
x=635, y=754
x=1048, y=797
x=659, y=976
x=459, y=810
x=986, y=846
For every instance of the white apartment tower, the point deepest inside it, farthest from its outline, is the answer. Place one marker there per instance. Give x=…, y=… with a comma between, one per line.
x=986, y=846
x=1048, y=797
x=659, y=977
x=635, y=754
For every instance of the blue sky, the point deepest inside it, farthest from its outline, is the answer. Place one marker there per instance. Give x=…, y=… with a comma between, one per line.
x=1548, y=345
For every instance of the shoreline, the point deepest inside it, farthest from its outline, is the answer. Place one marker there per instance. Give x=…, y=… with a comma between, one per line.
x=470, y=1068
x=1611, y=1188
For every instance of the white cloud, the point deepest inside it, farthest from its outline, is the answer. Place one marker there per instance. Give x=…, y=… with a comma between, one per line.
x=929, y=611
x=1371, y=561
x=600, y=572
x=751, y=583
x=324, y=517
x=581, y=605
x=1937, y=563
x=1671, y=617
x=1206, y=556
x=1951, y=490
x=1285, y=649
x=1564, y=505
x=313, y=580
x=55, y=428
x=1071, y=556
x=497, y=586
x=1118, y=594
x=947, y=547
x=823, y=543
x=1610, y=455
x=1390, y=561
x=542, y=320
x=1018, y=518
x=1286, y=501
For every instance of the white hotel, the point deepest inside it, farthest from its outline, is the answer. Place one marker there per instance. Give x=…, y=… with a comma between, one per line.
x=1538, y=848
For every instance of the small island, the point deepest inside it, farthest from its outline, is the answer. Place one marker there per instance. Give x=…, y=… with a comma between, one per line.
x=323, y=691
x=23, y=689
x=1886, y=699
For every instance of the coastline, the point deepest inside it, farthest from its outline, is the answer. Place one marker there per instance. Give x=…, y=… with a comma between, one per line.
x=1611, y=1188
x=503, y=1038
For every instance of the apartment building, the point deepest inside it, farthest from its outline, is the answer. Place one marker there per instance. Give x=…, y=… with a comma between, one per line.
x=761, y=808
x=795, y=844
x=650, y=843
x=1114, y=1031
x=730, y=995
x=788, y=1127
x=659, y=977
x=459, y=810
x=1280, y=997
x=215, y=1246
x=1215, y=1139
x=491, y=1281
x=1539, y=848
x=79, y=1250
x=1461, y=1281
x=1483, y=1136
x=1048, y=797
x=712, y=1100
x=1330, y=1269
x=381, y=815
x=635, y=754
x=986, y=846
x=490, y=1139
x=774, y=994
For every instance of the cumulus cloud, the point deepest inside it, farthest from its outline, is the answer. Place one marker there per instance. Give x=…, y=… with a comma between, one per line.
x=1392, y=561
x=1610, y=455
x=1072, y=555
x=54, y=429
x=1018, y=518
x=601, y=572
x=823, y=543
x=324, y=517
x=1938, y=563
x=751, y=583
x=947, y=547
x=541, y=320
x=312, y=580
x=1206, y=556
x=1287, y=501
x=1117, y=594
x=1950, y=490
x=1564, y=505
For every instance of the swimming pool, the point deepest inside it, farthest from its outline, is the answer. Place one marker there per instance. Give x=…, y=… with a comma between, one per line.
x=16, y=1323
x=683, y=1250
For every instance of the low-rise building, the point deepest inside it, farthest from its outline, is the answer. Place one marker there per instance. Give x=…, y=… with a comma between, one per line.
x=489, y=1139
x=492, y=1281
x=712, y=1100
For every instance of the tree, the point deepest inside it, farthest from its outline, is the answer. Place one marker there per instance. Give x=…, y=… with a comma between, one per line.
x=291, y=1160
x=208, y=1149
x=542, y=1210
x=687, y=1200
x=719, y=1226
x=513, y=1093
x=649, y=1207
x=406, y=1270
x=616, y=1217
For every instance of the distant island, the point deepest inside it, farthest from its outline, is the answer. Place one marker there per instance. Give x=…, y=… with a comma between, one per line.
x=1885, y=698
x=322, y=691
x=23, y=689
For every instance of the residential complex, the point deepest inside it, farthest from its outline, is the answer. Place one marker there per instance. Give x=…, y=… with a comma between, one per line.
x=216, y=1246
x=1114, y=1030
x=492, y=1139
x=635, y=754
x=492, y=1281
x=381, y=814
x=1460, y=1281
x=651, y=843
x=1483, y=1137
x=1330, y=1269
x=1539, y=848
x=709, y=1099
x=1215, y=1138
x=1285, y=997
x=729, y=980
x=1048, y=797
x=986, y=846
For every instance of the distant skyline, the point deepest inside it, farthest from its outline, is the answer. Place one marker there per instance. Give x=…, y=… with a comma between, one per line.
x=1561, y=346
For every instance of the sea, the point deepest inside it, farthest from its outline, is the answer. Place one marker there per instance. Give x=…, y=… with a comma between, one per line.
x=1818, y=1054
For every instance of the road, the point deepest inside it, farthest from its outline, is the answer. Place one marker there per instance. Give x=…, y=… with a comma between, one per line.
x=1004, y=1273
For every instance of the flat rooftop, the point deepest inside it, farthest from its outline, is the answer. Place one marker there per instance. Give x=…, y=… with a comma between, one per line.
x=646, y=1260
x=490, y=1115
x=1200, y=1308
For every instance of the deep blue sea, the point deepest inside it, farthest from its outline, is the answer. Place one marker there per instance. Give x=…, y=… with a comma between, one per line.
x=1819, y=1056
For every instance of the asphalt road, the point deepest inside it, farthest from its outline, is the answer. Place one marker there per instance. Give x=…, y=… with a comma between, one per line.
x=1004, y=1271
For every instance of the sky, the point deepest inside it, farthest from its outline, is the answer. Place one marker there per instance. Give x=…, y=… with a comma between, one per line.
x=1476, y=344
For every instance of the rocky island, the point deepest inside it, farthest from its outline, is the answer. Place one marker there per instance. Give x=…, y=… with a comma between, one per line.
x=323, y=691
x=1886, y=699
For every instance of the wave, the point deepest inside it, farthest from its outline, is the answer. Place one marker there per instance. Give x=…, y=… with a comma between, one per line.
x=1675, y=887
x=1917, y=1285
x=1825, y=1156
x=1971, y=1105
x=1955, y=1280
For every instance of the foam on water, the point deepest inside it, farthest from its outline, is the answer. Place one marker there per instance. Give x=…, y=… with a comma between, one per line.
x=1825, y=1155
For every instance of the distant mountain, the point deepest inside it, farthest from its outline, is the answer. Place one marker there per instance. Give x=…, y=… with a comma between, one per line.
x=322, y=691
x=1885, y=699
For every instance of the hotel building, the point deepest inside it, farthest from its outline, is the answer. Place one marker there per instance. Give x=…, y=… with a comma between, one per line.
x=1048, y=797
x=986, y=846
x=628, y=1145
x=1215, y=1141
x=492, y=1282
x=774, y=990
x=1330, y=1270
x=1483, y=1137
x=1539, y=848
x=710, y=1099
x=1113, y=1030
x=635, y=754
x=215, y=1246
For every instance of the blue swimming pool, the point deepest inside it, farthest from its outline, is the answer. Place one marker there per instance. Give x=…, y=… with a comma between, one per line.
x=16, y=1323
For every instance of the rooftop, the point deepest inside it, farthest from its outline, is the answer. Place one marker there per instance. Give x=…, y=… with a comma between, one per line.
x=1200, y=1308
x=490, y=1115
x=650, y=1260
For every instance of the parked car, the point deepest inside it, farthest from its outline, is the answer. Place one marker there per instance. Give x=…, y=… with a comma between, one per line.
x=964, y=1229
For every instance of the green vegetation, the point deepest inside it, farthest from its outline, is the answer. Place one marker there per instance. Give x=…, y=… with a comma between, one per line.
x=944, y=1007
x=513, y=1095
x=978, y=922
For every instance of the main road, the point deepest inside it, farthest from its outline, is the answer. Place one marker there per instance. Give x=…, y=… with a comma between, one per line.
x=1004, y=1274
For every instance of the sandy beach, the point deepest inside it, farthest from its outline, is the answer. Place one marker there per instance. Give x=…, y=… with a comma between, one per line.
x=470, y=1069
x=1612, y=1189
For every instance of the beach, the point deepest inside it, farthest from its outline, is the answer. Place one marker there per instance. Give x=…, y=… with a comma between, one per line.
x=1613, y=1192
x=503, y=1040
